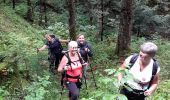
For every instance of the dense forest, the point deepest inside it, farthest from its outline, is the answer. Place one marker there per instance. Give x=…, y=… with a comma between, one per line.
x=114, y=28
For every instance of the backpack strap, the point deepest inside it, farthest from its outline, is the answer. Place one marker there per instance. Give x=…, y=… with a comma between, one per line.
x=80, y=58
x=69, y=60
x=64, y=74
x=154, y=71
x=133, y=60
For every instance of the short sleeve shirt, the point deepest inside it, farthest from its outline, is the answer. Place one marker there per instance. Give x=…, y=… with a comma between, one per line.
x=141, y=78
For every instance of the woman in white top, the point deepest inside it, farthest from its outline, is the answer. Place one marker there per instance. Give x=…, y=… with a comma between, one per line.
x=142, y=71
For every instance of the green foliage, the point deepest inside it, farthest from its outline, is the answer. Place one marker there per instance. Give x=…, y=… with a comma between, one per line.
x=60, y=30
x=19, y=42
x=37, y=90
x=163, y=91
x=147, y=21
x=103, y=54
x=3, y=92
x=21, y=9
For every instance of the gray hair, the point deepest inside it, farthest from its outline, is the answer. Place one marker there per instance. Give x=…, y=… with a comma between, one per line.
x=149, y=48
x=72, y=44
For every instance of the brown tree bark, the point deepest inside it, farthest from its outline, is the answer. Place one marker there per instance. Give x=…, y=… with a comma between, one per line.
x=41, y=12
x=71, y=21
x=29, y=11
x=45, y=13
x=125, y=27
x=99, y=34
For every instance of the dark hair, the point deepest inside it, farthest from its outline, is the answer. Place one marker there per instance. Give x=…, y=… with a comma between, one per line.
x=52, y=36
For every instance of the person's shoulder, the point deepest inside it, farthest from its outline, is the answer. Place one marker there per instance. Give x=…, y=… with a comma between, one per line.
x=56, y=38
x=87, y=43
x=128, y=59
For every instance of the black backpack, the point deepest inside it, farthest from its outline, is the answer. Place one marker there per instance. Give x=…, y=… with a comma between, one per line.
x=154, y=68
x=64, y=74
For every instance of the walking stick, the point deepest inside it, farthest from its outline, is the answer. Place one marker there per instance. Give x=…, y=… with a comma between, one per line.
x=92, y=71
x=83, y=65
x=84, y=77
x=62, y=83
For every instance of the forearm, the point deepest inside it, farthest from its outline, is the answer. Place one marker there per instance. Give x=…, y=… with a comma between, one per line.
x=119, y=77
x=43, y=47
x=153, y=87
x=62, y=64
x=64, y=41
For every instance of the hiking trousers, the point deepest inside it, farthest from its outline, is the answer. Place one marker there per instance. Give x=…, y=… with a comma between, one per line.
x=54, y=60
x=74, y=90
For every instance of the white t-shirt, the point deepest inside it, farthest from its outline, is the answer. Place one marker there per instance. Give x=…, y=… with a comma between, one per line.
x=141, y=78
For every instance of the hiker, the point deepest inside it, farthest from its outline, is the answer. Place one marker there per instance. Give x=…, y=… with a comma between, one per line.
x=54, y=47
x=85, y=50
x=84, y=47
x=145, y=71
x=71, y=66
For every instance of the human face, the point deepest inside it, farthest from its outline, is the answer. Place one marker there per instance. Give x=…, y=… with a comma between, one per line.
x=73, y=50
x=49, y=38
x=81, y=39
x=144, y=58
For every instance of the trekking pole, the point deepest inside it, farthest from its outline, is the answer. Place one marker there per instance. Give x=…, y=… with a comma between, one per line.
x=61, y=92
x=85, y=81
x=83, y=68
x=92, y=72
x=62, y=83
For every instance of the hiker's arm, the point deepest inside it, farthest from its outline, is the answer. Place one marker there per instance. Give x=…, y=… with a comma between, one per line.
x=125, y=65
x=42, y=48
x=62, y=64
x=64, y=41
x=153, y=85
x=121, y=75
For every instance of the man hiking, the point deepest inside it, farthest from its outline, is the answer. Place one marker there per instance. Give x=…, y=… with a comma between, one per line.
x=54, y=51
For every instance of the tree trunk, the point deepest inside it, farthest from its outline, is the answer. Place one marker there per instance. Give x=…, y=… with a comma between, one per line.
x=124, y=37
x=72, y=22
x=100, y=21
x=41, y=13
x=89, y=8
x=45, y=12
x=13, y=4
x=29, y=11
x=152, y=3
